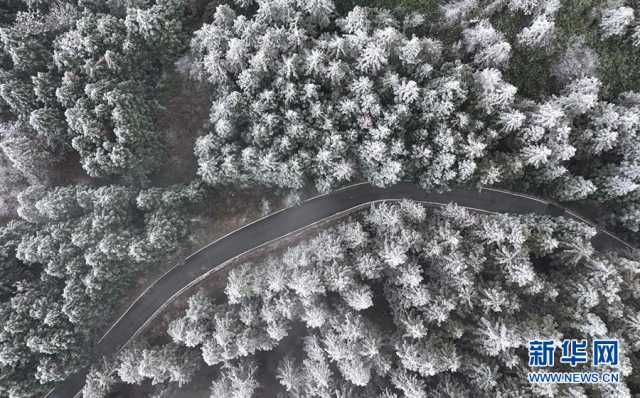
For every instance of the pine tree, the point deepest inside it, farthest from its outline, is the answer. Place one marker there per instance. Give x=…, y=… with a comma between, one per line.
x=489, y=45
x=615, y=21
x=237, y=381
x=100, y=381
x=539, y=34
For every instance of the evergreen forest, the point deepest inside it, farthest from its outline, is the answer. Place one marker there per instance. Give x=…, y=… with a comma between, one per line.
x=133, y=132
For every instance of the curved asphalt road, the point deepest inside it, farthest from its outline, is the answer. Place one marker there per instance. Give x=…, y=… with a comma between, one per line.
x=213, y=257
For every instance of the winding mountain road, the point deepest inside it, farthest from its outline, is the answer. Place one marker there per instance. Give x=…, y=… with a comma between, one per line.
x=285, y=222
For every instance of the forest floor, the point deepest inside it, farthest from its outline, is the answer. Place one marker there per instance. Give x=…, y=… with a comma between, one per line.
x=183, y=117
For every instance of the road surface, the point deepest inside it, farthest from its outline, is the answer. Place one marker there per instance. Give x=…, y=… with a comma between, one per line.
x=277, y=225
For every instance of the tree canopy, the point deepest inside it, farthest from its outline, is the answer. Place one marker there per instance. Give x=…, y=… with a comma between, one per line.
x=404, y=301
x=65, y=266
x=306, y=95
x=536, y=96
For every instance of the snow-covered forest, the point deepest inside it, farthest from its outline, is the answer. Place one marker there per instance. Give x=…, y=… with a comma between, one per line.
x=536, y=96
x=401, y=301
x=300, y=96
